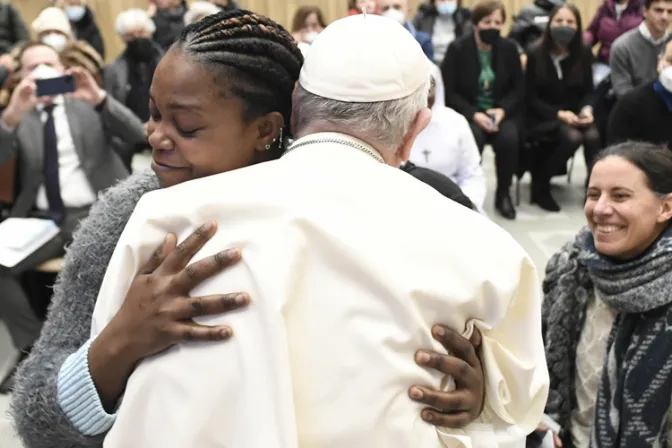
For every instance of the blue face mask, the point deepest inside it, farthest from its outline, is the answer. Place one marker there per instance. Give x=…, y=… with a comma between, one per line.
x=75, y=13
x=447, y=8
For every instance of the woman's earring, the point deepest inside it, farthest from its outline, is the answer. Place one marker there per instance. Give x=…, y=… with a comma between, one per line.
x=268, y=147
x=281, y=141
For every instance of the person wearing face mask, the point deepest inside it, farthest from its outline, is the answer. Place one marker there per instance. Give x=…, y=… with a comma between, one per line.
x=53, y=28
x=444, y=21
x=83, y=23
x=128, y=78
x=307, y=24
x=559, y=92
x=199, y=10
x=529, y=24
x=483, y=81
x=645, y=113
x=397, y=10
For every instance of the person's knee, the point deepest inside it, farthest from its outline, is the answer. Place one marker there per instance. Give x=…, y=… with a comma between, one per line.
x=507, y=137
x=572, y=136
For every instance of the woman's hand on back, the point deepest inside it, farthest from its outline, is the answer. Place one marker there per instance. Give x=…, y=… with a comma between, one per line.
x=462, y=406
x=158, y=312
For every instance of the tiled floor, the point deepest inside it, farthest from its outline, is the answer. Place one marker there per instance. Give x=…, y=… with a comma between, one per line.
x=540, y=233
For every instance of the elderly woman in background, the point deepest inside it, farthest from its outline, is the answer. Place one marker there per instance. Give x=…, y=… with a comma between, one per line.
x=445, y=21
x=83, y=23
x=307, y=24
x=129, y=77
x=198, y=10
x=81, y=54
x=608, y=307
x=52, y=27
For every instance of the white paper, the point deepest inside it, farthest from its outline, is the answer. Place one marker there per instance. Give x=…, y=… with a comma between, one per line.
x=20, y=237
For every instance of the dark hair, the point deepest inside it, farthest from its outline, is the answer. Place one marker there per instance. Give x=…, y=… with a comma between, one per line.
x=302, y=15
x=648, y=3
x=484, y=8
x=655, y=161
x=251, y=56
x=580, y=57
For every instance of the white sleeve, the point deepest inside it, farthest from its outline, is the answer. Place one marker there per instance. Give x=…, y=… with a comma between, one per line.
x=470, y=176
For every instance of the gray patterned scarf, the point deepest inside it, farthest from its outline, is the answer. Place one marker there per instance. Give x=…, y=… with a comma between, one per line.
x=634, y=396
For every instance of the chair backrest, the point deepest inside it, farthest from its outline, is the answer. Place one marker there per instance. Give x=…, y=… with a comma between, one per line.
x=7, y=182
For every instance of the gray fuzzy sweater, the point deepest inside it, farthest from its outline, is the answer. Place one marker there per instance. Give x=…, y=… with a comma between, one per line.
x=37, y=414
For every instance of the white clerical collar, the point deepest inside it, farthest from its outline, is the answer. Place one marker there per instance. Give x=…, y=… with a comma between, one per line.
x=647, y=34
x=339, y=139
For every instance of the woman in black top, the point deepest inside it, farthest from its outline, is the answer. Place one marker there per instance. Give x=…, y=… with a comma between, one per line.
x=559, y=88
x=484, y=82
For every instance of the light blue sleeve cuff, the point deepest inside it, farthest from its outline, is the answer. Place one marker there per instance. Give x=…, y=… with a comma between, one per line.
x=78, y=397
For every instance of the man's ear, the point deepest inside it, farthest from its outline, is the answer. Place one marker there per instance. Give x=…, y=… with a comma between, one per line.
x=421, y=121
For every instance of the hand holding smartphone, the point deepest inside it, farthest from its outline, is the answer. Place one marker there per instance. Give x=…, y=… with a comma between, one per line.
x=55, y=86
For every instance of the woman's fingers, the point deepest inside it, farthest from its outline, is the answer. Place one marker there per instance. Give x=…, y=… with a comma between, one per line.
x=456, y=344
x=196, y=273
x=184, y=252
x=209, y=305
x=159, y=255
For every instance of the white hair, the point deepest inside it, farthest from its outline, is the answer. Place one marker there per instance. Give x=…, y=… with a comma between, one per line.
x=198, y=10
x=132, y=19
x=385, y=122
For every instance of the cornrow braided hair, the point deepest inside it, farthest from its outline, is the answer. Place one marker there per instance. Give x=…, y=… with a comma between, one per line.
x=242, y=42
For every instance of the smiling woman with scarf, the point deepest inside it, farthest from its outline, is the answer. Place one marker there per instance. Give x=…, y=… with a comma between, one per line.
x=607, y=308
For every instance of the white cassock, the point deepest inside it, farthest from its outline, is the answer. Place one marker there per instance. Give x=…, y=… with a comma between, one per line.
x=349, y=262
x=447, y=146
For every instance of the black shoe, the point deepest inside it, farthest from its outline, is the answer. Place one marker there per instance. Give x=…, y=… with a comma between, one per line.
x=7, y=385
x=504, y=206
x=544, y=200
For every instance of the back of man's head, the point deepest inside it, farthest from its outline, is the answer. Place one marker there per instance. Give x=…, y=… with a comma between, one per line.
x=364, y=76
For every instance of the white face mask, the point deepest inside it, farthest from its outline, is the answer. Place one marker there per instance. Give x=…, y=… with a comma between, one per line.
x=309, y=38
x=395, y=15
x=45, y=72
x=57, y=41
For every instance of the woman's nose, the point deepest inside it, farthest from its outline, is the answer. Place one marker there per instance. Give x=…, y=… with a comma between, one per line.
x=157, y=138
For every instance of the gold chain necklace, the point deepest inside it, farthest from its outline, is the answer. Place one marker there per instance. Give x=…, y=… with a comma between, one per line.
x=338, y=141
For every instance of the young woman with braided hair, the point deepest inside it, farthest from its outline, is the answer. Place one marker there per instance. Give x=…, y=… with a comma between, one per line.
x=220, y=100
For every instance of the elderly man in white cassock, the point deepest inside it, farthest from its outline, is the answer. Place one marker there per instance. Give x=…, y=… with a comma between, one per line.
x=336, y=240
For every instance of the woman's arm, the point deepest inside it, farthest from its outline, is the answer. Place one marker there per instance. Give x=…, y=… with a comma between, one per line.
x=512, y=100
x=450, y=70
x=38, y=416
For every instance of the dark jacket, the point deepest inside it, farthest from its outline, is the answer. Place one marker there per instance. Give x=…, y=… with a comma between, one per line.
x=169, y=25
x=605, y=28
x=426, y=16
x=12, y=28
x=439, y=182
x=641, y=114
x=116, y=79
x=548, y=94
x=87, y=30
x=461, y=69
x=529, y=24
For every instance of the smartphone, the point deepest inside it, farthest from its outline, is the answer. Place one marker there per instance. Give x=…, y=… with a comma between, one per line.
x=493, y=120
x=55, y=86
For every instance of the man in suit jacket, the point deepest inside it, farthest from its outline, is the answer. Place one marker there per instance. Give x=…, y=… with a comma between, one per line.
x=65, y=158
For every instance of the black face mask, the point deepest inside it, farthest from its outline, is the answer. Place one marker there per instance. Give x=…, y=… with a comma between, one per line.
x=489, y=36
x=562, y=35
x=140, y=49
